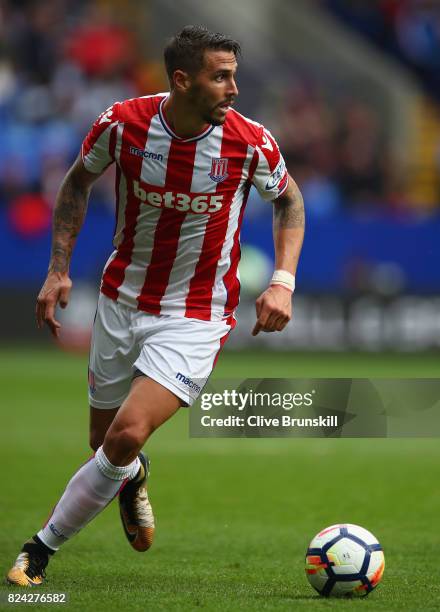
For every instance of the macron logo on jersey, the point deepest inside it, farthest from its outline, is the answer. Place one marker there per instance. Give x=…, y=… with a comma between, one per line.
x=145, y=154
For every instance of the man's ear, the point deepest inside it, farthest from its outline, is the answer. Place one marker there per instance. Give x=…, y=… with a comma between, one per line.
x=182, y=80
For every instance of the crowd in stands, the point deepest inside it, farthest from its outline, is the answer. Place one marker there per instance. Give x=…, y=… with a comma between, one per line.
x=62, y=62
x=407, y=29
x=336, y=150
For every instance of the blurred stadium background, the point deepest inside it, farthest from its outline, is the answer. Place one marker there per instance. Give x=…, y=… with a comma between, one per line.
x=351, y=91
x=349, y=88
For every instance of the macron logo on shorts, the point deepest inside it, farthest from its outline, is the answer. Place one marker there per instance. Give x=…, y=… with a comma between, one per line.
x=188, y=382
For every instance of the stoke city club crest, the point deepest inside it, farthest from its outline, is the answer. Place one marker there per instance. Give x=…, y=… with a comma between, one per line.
x=219, y=169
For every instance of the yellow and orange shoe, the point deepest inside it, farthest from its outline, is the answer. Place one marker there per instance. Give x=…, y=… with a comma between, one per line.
x=135, y=509
x=29, y=567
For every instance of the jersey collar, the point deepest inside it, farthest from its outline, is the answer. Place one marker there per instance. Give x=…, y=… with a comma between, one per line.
x=169, y=131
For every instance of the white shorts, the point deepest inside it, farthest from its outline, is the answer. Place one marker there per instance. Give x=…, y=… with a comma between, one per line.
x=177, y=352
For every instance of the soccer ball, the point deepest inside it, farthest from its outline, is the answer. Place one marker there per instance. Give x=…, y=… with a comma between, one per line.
x=344, y=560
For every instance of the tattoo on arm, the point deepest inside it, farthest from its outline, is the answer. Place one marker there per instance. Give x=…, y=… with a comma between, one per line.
x=68, y=217
x=289, y=208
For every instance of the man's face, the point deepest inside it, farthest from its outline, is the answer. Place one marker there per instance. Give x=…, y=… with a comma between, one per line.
x=213, y=89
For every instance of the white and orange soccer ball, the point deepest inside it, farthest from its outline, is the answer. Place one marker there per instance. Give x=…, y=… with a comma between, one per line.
x=344, y=560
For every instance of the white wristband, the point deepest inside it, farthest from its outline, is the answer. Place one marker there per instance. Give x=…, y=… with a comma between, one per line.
x=283, y=278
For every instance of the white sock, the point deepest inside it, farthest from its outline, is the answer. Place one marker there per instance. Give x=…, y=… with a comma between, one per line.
x=89, y=491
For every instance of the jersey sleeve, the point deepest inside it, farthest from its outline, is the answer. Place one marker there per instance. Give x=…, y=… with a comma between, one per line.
x=270, y=175
x=98, y=147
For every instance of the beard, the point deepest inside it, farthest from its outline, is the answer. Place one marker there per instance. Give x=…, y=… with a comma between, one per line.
x=213, y=121
x=205, y=109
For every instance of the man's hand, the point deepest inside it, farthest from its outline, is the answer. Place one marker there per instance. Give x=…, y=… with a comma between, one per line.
x=56, y=290
x=274, y=309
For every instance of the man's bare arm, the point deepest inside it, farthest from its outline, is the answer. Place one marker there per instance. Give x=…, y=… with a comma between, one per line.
x=68, y=217
x=274, y=306
x=69, y=214
x=288, y=228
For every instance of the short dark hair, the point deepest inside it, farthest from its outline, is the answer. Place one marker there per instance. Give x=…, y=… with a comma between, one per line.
x=185, y=50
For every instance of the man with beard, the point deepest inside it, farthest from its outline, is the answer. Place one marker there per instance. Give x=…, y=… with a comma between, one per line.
x=185, y=162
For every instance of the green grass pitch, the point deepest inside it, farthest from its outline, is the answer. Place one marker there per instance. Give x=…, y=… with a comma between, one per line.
x=234, y=517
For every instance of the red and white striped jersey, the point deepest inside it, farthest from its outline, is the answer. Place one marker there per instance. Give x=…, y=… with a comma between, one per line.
x=179, y=206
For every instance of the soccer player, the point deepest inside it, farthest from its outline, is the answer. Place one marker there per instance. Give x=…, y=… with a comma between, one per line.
x=185, y=162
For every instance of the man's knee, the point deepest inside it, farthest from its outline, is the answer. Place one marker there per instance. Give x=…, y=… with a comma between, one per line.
x=127, y=440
